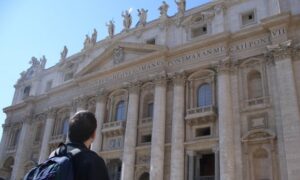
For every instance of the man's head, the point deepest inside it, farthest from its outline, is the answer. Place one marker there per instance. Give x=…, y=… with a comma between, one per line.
x=82, y=126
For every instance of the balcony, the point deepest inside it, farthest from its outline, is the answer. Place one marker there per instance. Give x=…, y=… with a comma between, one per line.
x=204, y=178
x=201, y=115
x=115, y=128
x=58, y=138
x=255, y=103
x=146, y=121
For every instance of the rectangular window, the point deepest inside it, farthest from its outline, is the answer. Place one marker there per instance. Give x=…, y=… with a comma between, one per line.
x=68, y=76
x=146, y=138
x=48, y=85
x=151, y=41
x=201, y=132
x=248, y=18
x=199, y=31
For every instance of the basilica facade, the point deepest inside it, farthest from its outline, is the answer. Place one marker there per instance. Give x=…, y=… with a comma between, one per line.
x=206, y=94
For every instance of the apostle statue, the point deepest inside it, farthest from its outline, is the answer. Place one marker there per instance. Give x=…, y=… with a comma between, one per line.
x=164, y=9
x=111, y=28
x=94, y=37
x=64, y=53
x=127, y=20
x=43, y=62
x=87, y=42
x=142, y=13
x=181, y=5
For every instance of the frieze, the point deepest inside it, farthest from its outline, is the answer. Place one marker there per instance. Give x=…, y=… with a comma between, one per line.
x=201, y=55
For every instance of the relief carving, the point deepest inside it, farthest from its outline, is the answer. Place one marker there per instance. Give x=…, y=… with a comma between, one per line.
x=118, y=55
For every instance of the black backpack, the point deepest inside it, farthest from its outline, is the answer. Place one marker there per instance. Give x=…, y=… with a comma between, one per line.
x=58, y=167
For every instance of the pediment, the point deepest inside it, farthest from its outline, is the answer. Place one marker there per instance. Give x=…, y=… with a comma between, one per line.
x=119, y=54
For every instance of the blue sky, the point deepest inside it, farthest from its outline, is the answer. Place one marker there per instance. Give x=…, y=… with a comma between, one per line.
x=42, y=27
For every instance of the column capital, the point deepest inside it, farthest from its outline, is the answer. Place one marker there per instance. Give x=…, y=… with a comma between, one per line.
x=160, y=79
x=134, y=87
x=101, y=95
x=224, y=66
x=178, y=78
x=280, y=51
x=190, y=153
x=81, y=101
x=51, y=112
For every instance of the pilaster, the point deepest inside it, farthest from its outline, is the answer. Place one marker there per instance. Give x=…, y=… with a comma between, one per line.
x=44, y=153
x=226, y=136
x=131, y=133
x=101, y=97
x=22, y=149
x=289, y=107
x=177, y=148
x=158, y=129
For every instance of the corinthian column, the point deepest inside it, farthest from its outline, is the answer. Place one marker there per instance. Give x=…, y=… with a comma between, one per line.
x=22, y=149
x=289, y=107
x=99, y=114
x=158, y=130
x=177, y=149
x=130, y=133
x=226, y=137
x=44, y=153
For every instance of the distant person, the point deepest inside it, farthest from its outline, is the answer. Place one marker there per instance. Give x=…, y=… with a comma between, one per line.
x=74, y=160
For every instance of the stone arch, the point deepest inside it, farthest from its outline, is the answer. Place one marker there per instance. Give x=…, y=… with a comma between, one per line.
x=196, y=80
x=144, y=176
x=114, y=98
x=252, y=61
x=29, y=165
x=6, y=169
x=262, y=164
x=140, y=171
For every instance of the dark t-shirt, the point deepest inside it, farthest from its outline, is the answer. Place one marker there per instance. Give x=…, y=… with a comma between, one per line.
x=87, y=164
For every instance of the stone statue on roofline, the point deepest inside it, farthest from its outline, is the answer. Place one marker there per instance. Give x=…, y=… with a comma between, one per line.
x=43, y=62
x=87, y=42
x=111, y=28
x=164, y=10
x=181, y=5
x=34, y=62
x=127, y=20
x=64, y=53
x=94, y=37
x=142, y=13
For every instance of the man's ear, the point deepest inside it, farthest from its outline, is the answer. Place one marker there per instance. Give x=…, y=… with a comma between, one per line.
x=93, y=135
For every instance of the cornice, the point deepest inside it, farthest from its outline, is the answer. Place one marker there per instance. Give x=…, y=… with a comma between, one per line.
x=140, y=60
x=283, y=18
x=209, y=40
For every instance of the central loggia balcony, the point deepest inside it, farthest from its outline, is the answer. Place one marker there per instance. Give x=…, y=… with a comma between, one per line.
x=115, y=128
x=201, y=114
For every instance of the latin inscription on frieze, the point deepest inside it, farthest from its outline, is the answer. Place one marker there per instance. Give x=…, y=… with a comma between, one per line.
x=249, y=44
x=194, y=57
x=197, y=56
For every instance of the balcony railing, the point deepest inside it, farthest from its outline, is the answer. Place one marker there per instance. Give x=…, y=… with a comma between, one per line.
x=114, y=128
x=200, y=114
x=58, y=138
x=205, y=178
x=146, y=120
x=257, y=101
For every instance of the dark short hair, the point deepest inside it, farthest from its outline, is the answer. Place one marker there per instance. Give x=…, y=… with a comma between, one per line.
x=82, y=126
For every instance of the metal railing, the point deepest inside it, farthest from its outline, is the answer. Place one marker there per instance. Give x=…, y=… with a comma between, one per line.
x=201, y=109
x=256, y=101
x=114, y=124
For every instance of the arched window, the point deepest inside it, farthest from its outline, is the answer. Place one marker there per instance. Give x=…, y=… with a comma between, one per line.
x=120, y=111
x=150, y=109
x=144, y=176
x=65, y=126
x=204, y=95
x=15, y=138
x=255, y=89
x=26, y=91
